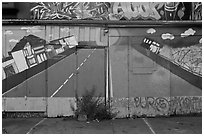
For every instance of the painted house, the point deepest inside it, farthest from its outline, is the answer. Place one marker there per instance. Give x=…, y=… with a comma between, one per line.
x=61, y=44
x=29, y=52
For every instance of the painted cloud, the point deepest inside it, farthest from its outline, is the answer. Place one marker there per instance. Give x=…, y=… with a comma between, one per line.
x=188, y=32
x=200, y=41
x=167, y=36
x=8, y=32
x=151, y=31
x=33, y=29
x=13, y=40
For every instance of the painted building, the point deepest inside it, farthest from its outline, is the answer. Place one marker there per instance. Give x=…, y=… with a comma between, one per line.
x=60, y=45
x=29, y=52
x=144, y=67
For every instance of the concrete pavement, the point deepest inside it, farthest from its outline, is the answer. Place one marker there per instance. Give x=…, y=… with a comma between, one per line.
x=159, y=125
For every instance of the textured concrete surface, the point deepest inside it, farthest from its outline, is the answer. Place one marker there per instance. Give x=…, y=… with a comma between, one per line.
x=165, y=125
x=18, y=125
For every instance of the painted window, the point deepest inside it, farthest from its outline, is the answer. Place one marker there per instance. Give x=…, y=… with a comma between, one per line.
x=25, y=51
x=32, y=61
x=29, y=51
x=44, y=56
x=63, y=43
x=9, y=70
x=39, y=59
x=32, y=51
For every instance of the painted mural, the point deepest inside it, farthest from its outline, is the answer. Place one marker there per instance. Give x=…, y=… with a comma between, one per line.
x=197, y=11
x=187, y=55
x=152, y=70
x=31, y=51
x=160, y=69
x=189, y=58
x=118, y=10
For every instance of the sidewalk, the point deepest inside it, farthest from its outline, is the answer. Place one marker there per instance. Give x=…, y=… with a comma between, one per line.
x=162, y=125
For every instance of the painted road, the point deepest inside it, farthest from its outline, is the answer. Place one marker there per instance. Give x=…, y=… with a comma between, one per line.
x=65, y=74
x=170, y=125
x=70, y=73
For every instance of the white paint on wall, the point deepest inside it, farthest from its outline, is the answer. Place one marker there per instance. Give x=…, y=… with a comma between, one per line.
x=98, y=36
x=61, y=106
x=24, y=104
x=20, y=60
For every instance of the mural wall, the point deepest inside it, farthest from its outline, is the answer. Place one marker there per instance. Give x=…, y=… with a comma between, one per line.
x=160, y=69
x=154, y=70
x=44, y=66
x=118, y=10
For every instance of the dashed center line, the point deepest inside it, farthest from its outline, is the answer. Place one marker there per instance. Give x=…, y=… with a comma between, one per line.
x=85, y=59
x=66, y=81
x=72, y=74
x=81, y=64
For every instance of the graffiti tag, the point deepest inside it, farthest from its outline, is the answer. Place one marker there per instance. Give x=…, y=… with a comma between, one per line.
x=137, y=10
x=189, y=57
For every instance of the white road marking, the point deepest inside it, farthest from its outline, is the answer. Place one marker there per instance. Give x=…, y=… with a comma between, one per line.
x=85, y=59
x=32, y=77
x=50, y=67
x=45, y=70
x=66, y=81
x=71, y=75
x=57, y=91
x=149, y=125
x=36, y=125
x=81, y=64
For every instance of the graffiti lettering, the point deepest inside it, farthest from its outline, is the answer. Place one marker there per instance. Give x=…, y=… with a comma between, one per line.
x=143, y=10
x=158, y=104
x=70, y=10
x=189, y=57
x=152, y=106
x=162, y=104
x=198, y=11
x=183, y=105
x=115, y=10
